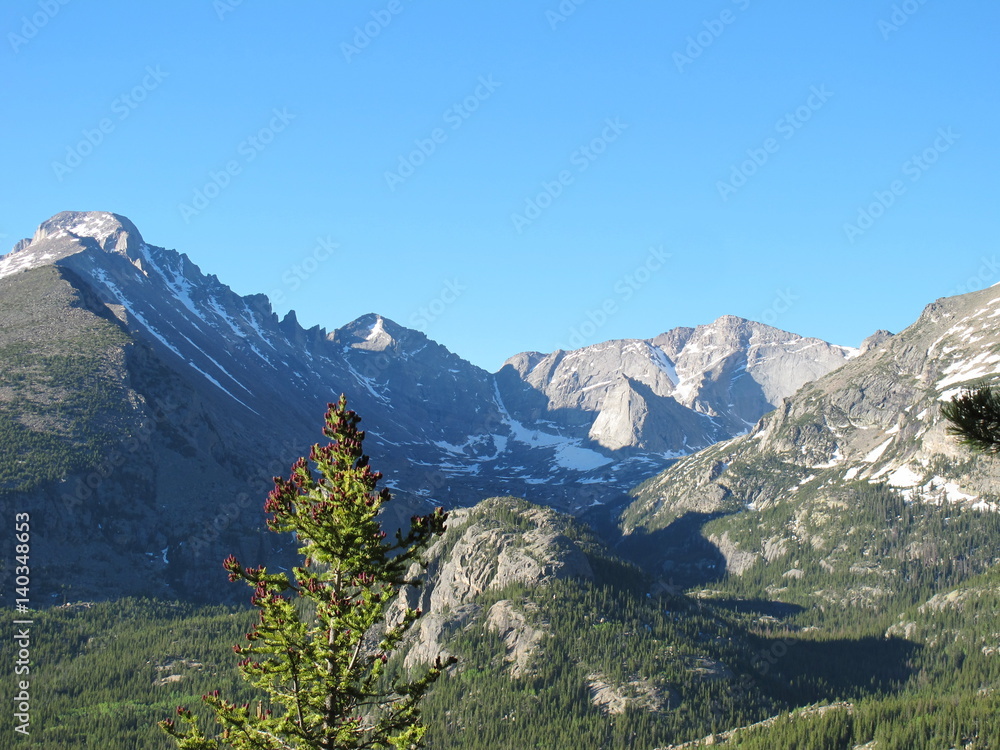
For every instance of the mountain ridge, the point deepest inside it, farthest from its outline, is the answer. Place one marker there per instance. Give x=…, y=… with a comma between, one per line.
x=812, y=476
x=217, y=394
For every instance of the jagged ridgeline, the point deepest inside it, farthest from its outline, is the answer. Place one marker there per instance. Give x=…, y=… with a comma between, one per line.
x=817, y=541
x=145, y=406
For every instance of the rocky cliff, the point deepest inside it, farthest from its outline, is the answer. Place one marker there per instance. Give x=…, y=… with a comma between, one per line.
x=679, y=392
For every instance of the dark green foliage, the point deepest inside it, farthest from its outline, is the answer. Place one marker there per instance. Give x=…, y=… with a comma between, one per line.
x=869, y=551
x=975, y=418
x=927, y=722
x=321, y=644
x=671, y=656
x=103, y=674
x=99, y=675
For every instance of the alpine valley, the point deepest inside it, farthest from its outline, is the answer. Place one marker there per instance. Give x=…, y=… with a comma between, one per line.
x=727, y=534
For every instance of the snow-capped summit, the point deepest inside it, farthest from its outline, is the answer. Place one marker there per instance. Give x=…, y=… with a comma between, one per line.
x=374, y=333
x=72, y=232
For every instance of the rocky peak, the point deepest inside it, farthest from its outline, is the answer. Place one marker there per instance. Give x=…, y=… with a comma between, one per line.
x=497, y=543
x=375, y=333
x=71, y=232
x=876, y=419
x=21, y=244
x=682, y=390
x=113, y=233
x=876, y=339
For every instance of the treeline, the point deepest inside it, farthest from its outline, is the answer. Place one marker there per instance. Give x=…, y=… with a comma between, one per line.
x=968, y=721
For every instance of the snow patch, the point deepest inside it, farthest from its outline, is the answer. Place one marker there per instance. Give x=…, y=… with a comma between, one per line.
x=661, y=360
x=578, y=458
x=904, y=476
x=223, y=388
x=954, y=493
x=962, y=371
x=876, y=454
x=569, y=453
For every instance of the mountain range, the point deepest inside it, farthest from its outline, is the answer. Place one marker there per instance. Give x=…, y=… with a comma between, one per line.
x=723, y=523
x=137, y=389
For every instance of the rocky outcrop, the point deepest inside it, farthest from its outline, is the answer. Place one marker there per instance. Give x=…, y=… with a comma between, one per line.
x=497, y=543
x=613, y=699
x=738, y=561
x=519, y=637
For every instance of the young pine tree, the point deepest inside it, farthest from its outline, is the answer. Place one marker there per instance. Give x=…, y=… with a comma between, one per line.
x=320, y=662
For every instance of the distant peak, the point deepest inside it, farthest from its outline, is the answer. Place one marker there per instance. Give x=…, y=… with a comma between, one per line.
x=72, y=232
x=730, y=321
x=373, y=332
x=114, y=233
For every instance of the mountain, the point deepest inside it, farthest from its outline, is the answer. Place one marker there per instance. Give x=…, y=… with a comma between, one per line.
x=679, y=392
x=840, y=548
x=145, y=406
x=852, y=486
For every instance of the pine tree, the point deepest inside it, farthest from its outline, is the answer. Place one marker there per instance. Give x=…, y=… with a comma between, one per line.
x=320, y=659
x=975, y=418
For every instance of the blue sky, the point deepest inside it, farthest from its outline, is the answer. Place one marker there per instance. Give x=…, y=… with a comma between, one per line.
x=526, y=176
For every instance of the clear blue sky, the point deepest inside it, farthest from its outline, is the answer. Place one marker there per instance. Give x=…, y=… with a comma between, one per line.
x=833, y=100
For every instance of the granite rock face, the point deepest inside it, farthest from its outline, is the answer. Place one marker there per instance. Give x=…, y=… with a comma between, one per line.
x=679, y=392
x=497, y=543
